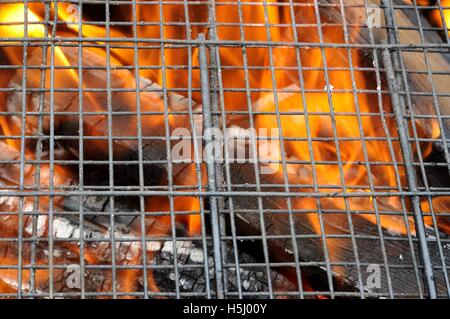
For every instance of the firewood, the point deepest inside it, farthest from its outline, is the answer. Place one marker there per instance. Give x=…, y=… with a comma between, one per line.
x=65, y=279
x=95, y=86
x=63, y=180
x=336, y=228
x=66, y=236
x=420, y=83
x=66, y=227
x=64, y=230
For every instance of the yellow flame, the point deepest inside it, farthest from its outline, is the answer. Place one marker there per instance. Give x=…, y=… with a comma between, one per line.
x=14, y=14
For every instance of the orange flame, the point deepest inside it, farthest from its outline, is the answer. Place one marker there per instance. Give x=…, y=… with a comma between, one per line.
x=440, y=205
x=436, y=17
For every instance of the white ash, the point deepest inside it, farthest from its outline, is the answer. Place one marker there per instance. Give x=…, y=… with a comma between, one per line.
x=192, y=276
x=289, y=251
x=41, y=224
x=8, y=200
x=56, y=253
x=183, y=247
x=127, y=250
x=196, y=255
x=153, y=245
x=62, y=228
x=189, y=253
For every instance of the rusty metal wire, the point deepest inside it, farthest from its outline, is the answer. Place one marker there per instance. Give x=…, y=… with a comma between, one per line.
x=229, y=208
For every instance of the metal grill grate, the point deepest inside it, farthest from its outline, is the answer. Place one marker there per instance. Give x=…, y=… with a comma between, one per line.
x=347, y=196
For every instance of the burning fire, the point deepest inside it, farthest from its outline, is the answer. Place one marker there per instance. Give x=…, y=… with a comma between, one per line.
x=340, y=123
x=436, y=17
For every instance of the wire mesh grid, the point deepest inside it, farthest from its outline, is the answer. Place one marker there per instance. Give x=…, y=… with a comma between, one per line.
x=281, y=149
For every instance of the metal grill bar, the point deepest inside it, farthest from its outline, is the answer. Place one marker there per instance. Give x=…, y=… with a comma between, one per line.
x=397, y=104
x=411, y=177
x=210, y=161
x=95, y=202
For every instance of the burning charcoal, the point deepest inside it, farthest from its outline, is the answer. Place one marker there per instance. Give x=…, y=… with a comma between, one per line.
x=66, y=234
x=65, y=277
x=38, y=227
x=66, y=258
x=337, y=231
x=65, y=255
x=9, y=177
x=192, y=277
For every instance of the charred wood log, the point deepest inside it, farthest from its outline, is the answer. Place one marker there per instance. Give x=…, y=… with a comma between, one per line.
x=96, y=234
x=347, y=242
x=109, y=104
x=425, y=69
x=97, y=252
x=33, y=213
